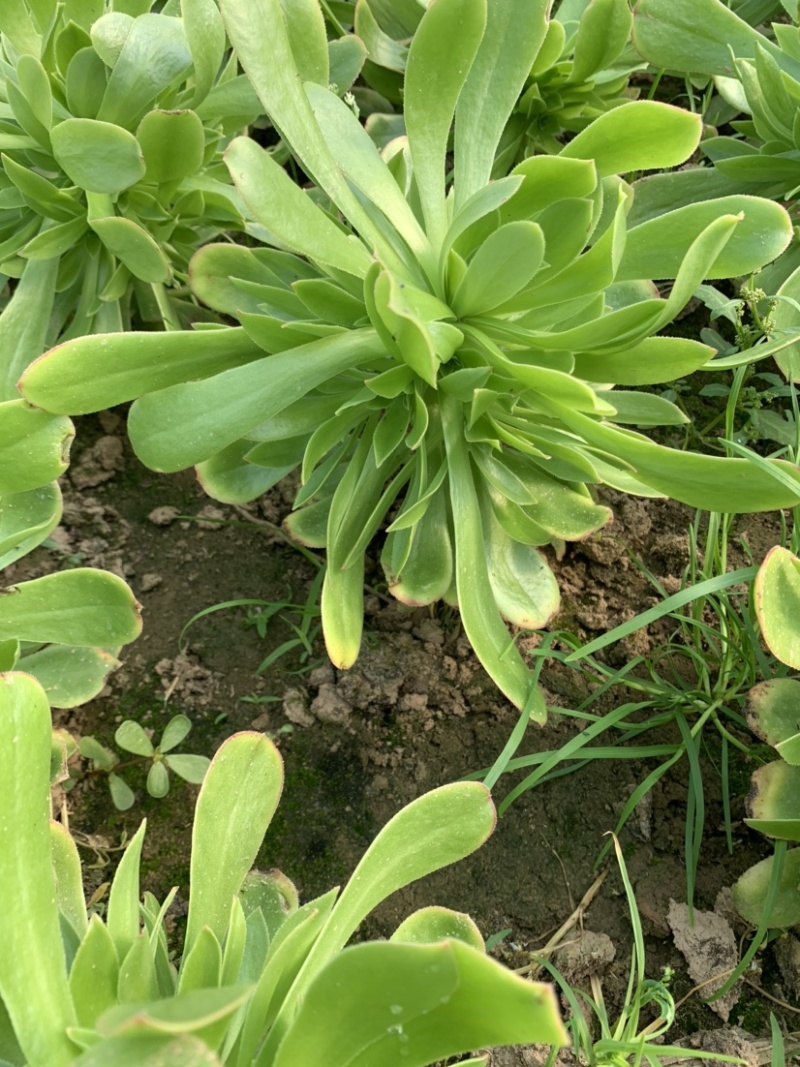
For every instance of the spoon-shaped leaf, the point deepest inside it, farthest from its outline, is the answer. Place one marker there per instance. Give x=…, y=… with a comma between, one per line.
x=415, y=1004
x=68, y=377
x=438, y=63
x=777, y=592
x=33, y=973
x=76, y=607
x=238, y=797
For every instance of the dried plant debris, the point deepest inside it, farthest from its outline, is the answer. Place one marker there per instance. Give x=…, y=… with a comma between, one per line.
x=708, y=944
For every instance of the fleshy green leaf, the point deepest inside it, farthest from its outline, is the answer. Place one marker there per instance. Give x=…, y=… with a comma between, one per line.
x=172, y=145
x=76, y=607
x=68, y=877
x=33, y=976
x=205, y=34
x=773, y=805
x=655, y=249
x=70, y=674
x=432, y=924
x=97, y=156
x=241, y=399
x=66, y=378
x=122, y=915
x=26, y=519
x=130, y=735
x=286, y=210
x=777, y=593
x=701, y=36
x=642, y=135
x=514, y=32
x=439, y=60
x=420, y=1002
x=236, y=803
x=133, y=246
x=750, y=891
x=772, y=715
x=94, y=974
x=34, y=444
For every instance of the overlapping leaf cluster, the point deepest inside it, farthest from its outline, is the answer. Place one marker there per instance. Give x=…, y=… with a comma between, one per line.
x=758, y=75
x=581, y=70
x=446, y=358
x=111, y=129
x=262, y=981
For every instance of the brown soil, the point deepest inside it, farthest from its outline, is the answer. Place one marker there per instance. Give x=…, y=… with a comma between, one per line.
x=416, y=711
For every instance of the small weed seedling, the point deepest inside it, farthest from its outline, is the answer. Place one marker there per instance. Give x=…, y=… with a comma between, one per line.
x=133, y=739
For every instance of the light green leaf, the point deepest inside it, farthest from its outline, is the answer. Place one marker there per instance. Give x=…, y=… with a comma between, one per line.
x=70, y=674
x=178, y=727
x=236, y=803
x=771, y=711
x=306, y=29
x=424, y=572
x=18, y=25
x=205, y=34
x=488, y=635
x=750, y=891
x=201, y=965
x=420, y=1002
x=342, y=609
x=130, y=735
x=715, y=483
x=172, y=145
x=97, y=156
x=133, y=246
x=784, y=316
x=359, y=160
x=431, y=924
x=701, y=36
x=68, y=877
x=122, y=915
x=603, y=32
x=33, y=977
x=26, y=519
x=121, y=793
x=109, y=33
x=773, y=805
x=82, y=607
x=655, y=249
x=55, y=240
x=234, y=479
x=35, y=447
x=94, y=974
x=437, y=829
x=777, y=597
x=439, y=59
x=346, y=56
x=642, y=135
x=514, y=32
x=653, y=360
x=240, y=398
x=154, y=56
x=137, y=974
x=24, y=323
x=35, y=85
x=524, y=588
x=262, y=43
x=157, y=783
x=642, y=409
x=190, y=768
x=66, y=379
x=149, y=1050
x=506, y=261
x=285, y=209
